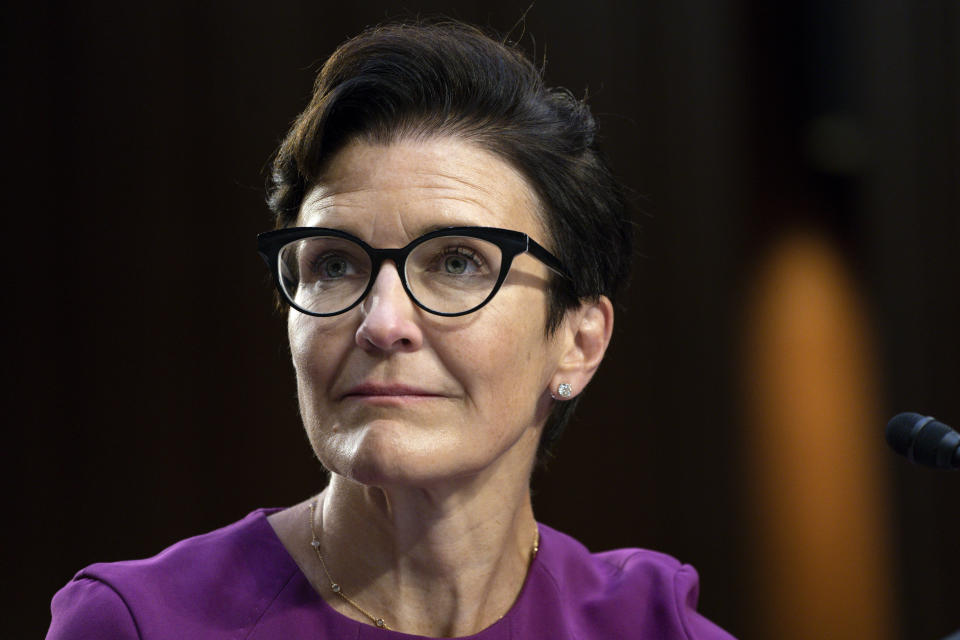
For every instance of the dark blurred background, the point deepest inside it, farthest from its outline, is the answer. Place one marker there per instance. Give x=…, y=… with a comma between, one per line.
x=150, y=391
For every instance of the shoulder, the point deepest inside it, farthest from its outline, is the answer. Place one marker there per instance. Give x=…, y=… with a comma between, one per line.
x=229, y=575
x=625, y=591
x=88, y=608
x=232, y=557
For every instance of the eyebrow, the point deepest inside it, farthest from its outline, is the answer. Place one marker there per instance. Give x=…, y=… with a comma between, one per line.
x=421, y=231
x=437, y=227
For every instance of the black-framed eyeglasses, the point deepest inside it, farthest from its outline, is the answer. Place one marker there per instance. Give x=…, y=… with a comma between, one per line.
x=448, y=272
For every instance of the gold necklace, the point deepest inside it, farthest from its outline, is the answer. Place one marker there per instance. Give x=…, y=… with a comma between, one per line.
x=335, y=586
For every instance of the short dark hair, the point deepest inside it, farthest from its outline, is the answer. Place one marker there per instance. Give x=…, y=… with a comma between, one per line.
x=424, y=79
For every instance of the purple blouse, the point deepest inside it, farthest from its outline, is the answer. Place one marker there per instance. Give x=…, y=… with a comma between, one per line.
x=240, y=582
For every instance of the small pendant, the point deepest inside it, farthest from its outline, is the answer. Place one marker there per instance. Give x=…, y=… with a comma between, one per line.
x=380, y=623
x=335, y=587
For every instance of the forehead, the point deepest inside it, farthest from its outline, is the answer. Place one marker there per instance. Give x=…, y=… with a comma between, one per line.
x=408, y=187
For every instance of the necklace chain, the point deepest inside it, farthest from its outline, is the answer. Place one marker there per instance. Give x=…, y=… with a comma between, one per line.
x=335, y=586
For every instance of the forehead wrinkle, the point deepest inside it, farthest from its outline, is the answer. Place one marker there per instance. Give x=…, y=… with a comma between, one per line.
x=453, y=178
x=324, y=191
x=499, y=189
x=316, y=205
x=505, y=199
x=357, y=180
x=323, y=200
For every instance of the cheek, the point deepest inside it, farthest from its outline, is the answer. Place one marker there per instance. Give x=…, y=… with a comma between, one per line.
x=506, y=367
x=313, y=349
x=301, y=340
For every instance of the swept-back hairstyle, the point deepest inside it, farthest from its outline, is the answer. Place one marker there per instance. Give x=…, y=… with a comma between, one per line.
x=421, y=80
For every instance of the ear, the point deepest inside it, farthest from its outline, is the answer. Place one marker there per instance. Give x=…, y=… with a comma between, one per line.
x=586, y=333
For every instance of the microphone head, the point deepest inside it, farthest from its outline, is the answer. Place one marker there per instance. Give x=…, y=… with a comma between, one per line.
x=902, y=432
x=924, y=440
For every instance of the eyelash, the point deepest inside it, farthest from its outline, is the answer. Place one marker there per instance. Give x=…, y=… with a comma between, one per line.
x=466, y=252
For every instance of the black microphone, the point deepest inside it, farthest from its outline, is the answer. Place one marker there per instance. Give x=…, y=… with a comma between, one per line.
x=924, y=440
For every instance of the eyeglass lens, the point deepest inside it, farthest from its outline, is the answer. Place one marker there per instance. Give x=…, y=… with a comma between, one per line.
x=447, y=274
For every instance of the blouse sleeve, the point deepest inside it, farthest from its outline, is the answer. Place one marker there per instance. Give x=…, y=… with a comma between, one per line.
x=88, y=609
x=686, y=589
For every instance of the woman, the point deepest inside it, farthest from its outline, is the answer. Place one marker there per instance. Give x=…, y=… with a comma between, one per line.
x=449, y=242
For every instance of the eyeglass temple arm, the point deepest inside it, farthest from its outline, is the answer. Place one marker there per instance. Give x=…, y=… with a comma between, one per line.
x=546, y=258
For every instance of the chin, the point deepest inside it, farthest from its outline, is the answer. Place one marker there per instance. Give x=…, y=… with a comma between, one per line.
x=386, y=453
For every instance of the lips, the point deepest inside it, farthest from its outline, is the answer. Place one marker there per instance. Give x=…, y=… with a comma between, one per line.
x=373, y=390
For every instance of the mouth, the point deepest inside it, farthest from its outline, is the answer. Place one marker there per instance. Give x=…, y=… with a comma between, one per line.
x=387, y=392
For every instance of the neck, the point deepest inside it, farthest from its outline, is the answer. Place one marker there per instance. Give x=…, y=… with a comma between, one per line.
x=436, y=562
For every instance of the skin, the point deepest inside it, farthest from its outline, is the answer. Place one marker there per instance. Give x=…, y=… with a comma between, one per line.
x=429, y=425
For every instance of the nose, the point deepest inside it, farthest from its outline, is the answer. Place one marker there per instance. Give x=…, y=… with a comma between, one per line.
x=389, y=315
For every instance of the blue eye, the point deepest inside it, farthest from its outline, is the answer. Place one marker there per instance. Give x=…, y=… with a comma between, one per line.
x=459, y=260
x=455, y=265
x=332, y=267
